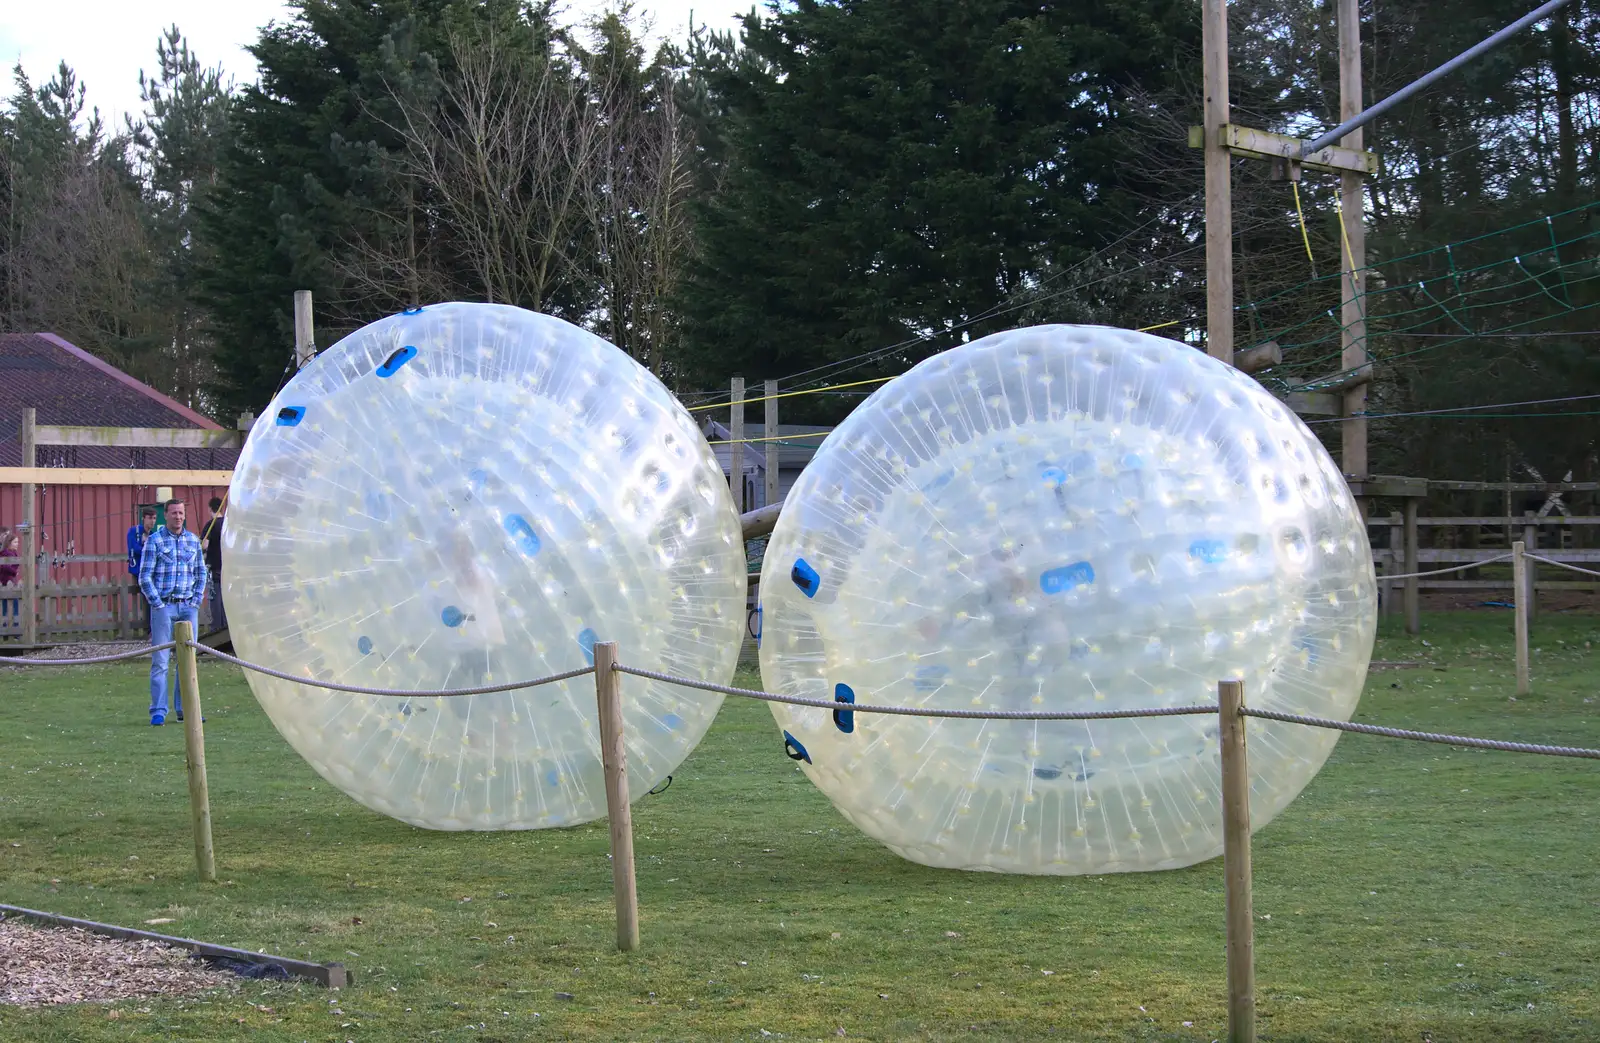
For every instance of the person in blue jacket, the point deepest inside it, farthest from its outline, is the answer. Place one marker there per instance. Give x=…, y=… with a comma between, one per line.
x=137, y=535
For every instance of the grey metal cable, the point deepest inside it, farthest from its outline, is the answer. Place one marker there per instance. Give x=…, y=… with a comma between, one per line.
x=1401, y=733
x=135, y=654
x=1560, y=564
x=1456, y=568
x=915, y=711
x=401, y=692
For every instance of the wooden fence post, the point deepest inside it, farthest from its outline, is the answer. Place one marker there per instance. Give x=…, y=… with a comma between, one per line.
x=771, y=469
x=305, y=339
x=1397, y=553
x=1520, y=596
x=613, y=758
x=1236, y=864
x=1530, y=542
x=736, y=445
x=1413, y=566
x=195, y=744
x=30, y=534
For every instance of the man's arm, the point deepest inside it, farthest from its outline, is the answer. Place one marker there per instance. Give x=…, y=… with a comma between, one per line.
x=147, y=573
x=199, y=590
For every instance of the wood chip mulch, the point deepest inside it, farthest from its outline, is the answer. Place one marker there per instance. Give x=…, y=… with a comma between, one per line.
x=44, y=965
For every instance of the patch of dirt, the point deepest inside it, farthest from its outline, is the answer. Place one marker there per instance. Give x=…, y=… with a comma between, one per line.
x=45, y=965
x=86, y=650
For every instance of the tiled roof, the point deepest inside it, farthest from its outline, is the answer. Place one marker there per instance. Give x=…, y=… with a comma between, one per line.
x=67, y=385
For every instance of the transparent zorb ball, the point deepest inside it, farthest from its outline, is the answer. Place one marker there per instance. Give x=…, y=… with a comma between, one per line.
x=462, y=496
x=1063, y=518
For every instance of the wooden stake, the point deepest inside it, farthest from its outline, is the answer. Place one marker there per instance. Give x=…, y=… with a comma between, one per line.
x=305, y=341
x=613, y=757
x=1413, y=566
x=195, y=743
x=1397, y=555
x=1530, y=539
x=1219, y=183
x=1236, y=865
x=770, y=494
x=1519, y=610
x=1353, y=251
x=30, y=534
x=736, y=446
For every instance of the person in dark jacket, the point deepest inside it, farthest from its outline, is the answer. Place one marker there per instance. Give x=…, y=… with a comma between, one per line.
x=211, y=543
x=137, y=537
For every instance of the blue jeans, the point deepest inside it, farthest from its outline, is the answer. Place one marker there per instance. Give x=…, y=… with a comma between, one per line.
x=161, y=619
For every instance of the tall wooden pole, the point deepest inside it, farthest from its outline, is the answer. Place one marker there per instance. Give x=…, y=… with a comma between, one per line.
x=771, y=491
x=205, y=857
x=1353, y=251
x=736, y=449
x=1413, y=566
x=1519, y=611
x=1236, y=865
x=1219, y=183
x=613, y=758
x=30, y=533
x=1530, y=541
x=305, y=341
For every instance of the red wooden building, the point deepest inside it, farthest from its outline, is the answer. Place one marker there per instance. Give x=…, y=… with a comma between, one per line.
x=82, y=529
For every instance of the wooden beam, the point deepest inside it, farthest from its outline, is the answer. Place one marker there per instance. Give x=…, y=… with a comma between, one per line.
x=770, y=472
x=140, y=437
x=1263, y=144
x=760, y=522
x=108, y=476
x=1342, y=381
x=1219, y=182
x=1258, y=358
x=305, y=341
x=1236, y=871
x=736, y=444
x=1390, y=485
x=1310, y=403
x=1353, y=253
x=1518, y=487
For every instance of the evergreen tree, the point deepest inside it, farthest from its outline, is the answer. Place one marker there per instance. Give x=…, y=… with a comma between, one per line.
x=898, y=169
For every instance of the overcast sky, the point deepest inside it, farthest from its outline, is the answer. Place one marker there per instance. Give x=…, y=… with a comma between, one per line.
x=109, y=41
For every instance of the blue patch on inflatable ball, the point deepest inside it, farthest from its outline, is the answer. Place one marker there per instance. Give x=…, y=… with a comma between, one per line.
x=392, y=364
x=289, y=416
x=1066, y=577
x=844, y=720
x=805, y=577
x=452, y=616
x=1212, y=552
x=794, y=749
x=586, y=639
x=364, y=645
x=523, y=536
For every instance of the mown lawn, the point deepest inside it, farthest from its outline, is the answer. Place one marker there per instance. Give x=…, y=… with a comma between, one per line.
x=1414, y=892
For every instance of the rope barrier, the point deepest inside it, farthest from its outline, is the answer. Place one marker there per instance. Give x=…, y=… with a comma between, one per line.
x=135, y=654
x=401, y=692
x=1401, y=733
x=1560, y=564
x=916, y=711
x=1455, y=568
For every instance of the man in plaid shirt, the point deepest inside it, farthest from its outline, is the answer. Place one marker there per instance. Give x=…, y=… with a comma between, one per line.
x=172, y=575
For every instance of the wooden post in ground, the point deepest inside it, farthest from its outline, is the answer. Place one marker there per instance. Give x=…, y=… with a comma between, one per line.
x=1530, y=541
x=1413, y=566
x=613, y=758
x=1397, y=555
x=1219, y=182
x=1519, y=607
x=29, y=548
x=770, y=493
x=1236, y=864
x=305, y=340
x=1353, y=251
x=736, y=446
x=195, y=744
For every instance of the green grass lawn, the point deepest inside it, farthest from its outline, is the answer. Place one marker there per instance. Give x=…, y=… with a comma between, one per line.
x=1413, y=892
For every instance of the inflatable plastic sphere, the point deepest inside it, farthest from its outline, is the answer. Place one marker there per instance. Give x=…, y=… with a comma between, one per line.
x=468, y=495
x=1063, y=518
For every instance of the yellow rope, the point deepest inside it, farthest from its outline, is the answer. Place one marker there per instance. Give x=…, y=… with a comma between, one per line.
x=1305, y=236
x=773, y=438
x=790, y=394
x=1157, y=326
